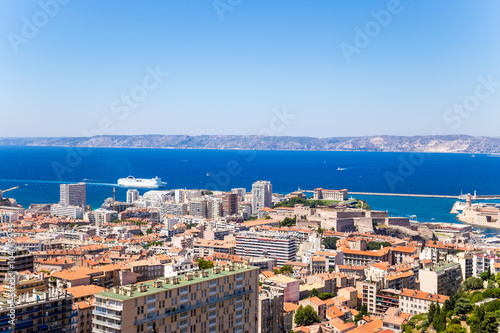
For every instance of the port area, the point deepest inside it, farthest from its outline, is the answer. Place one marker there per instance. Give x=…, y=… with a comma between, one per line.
x=478, y=214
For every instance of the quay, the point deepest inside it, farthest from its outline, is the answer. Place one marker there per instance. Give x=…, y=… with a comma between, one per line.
x=460, y=197
x=407, y=195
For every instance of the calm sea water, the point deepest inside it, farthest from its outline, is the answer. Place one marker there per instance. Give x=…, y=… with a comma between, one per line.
x=38, y=171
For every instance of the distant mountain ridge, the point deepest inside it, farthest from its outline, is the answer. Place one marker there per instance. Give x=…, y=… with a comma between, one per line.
x=382, y=143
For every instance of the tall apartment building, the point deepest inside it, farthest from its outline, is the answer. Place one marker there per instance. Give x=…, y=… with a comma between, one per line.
x=466, y=264
x=377, y=300
x=176, y=209
x=230, y=204
x=14, y=260
x=443, y=279
x=132, y=196
x=368, y=293
x=38, y=311
x=276, y=246
x=262, y=195
x=214, y=209
x=270, y=309
x=73, y=195
x=198, y=208
x=208, y=301
x=241, y=192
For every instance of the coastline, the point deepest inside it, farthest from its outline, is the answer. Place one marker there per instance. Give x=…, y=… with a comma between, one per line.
x=493, y=154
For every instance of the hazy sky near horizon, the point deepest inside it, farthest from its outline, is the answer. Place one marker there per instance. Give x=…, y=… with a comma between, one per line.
x=284, y=67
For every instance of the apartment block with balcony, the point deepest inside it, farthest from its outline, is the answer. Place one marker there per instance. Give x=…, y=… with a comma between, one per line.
x=378, y=300
x=206, y=301
x=368, y=290
x=48, y=311
x=270, y=309
x=279, y=247
x=20, y=260
x=466, y=264
x=416, y=302
x=443, y=279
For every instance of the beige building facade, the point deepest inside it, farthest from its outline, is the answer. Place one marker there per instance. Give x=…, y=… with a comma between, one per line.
x=222, y=299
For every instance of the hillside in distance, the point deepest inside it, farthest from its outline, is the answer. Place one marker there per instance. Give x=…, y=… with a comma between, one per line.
x=383, y=143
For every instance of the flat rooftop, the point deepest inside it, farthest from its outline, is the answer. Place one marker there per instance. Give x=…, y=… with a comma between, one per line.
x=169, y=286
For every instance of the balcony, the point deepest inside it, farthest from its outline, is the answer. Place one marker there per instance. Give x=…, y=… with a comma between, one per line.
x=109, y=306
x=107, y=315
x=180, y=310
x=108, y=324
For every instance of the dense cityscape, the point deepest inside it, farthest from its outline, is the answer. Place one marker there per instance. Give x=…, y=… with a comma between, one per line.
x=211, y=261
x=233, y=166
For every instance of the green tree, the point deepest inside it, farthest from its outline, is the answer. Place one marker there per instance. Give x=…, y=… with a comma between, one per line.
x=472, y=283
x=462, y=307
x=455, y=328
x=288, y=222
x=488, y=293
x=204, y=264
x=491, y=284
x=330, y=243
x=447, y=306
x=314, y=293
x=485, y=275
x=286, y=269
x=320, y=230
x=482, y=322
x=377, y=245
x=439, y=321
x=325, y=296
x=306, y=316
x=149, y=231
x=431, y=312
x=477, y=298
x=362, y=312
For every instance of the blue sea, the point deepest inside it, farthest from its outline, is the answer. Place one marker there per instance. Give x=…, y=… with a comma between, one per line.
x=38, y=171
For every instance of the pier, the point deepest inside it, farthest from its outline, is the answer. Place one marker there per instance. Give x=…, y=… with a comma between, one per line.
x=458, y=197
x=407, y=195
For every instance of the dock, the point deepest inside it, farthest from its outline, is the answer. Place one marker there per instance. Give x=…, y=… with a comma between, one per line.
x=407, y=195
x=459, y=197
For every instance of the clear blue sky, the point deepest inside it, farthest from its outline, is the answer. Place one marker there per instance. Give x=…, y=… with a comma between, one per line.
x=231, y=68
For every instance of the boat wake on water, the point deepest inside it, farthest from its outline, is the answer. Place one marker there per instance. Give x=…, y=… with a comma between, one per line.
x=28, y=181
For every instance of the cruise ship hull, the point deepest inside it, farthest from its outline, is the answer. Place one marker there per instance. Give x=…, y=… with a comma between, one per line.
x=140, y=183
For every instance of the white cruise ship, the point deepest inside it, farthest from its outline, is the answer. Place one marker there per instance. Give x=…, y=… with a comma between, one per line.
x=131, y=181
